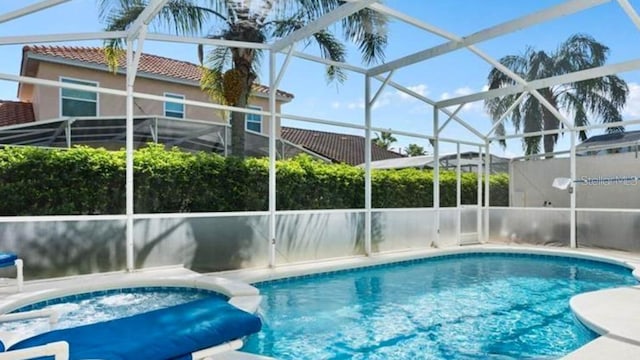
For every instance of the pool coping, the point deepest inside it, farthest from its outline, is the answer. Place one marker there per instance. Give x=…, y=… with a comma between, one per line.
x=606, y=312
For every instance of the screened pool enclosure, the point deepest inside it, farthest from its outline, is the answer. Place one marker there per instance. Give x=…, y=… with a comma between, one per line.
x=209, y=241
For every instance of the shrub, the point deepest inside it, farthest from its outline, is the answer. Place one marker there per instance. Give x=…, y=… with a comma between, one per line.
x=83, y=180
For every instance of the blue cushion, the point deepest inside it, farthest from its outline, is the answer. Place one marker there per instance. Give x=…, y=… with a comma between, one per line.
x=169, y=333
x=7, y=259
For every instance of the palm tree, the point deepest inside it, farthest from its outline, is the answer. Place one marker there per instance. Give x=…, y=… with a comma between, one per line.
x=601, y=98
x=415, y=150
x=384, y=140
x=230, y=73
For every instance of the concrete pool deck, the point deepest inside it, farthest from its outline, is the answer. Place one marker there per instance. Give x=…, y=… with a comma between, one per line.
x=613, y=313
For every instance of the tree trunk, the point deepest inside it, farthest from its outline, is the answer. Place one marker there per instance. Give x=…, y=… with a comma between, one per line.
x=549, y=145
x=550, y=122
x=242, y=59
x=237, y=134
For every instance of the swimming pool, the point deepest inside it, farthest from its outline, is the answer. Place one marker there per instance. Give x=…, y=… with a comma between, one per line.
x=471, y=306
x=103, y=305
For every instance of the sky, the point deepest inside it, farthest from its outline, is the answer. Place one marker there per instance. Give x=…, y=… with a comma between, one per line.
x=454, y=74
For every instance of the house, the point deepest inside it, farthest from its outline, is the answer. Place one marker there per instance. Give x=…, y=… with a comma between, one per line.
x=613, y=143
x=336, y=147
x=156, y=75
x=15, y=112
x=469, y=161
x=55, y=117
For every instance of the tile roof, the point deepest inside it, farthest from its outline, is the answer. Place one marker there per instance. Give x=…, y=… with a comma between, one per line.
x=150, y=64
x=15, y=112
x=343, y=148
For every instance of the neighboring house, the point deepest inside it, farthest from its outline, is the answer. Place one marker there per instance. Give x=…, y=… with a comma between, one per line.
x=57, y=117
x=614, y=143
x=15, y=112
x=468, y=162
x=156, y=75
x=340, y=148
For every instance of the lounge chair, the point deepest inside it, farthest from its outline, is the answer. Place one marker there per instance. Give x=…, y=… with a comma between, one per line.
x=194, y=330
x=10, y=259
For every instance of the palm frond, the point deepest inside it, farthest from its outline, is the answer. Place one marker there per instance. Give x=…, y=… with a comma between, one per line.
x=219, y=58
x=185, y=17
x=498, y=79
x=332, y=49
x=368, y=30
x=211, y=83
x=580, y=52
x=119, y=20
x=580, y=114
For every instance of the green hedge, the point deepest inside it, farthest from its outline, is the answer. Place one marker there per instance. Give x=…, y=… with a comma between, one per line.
x=82, y=180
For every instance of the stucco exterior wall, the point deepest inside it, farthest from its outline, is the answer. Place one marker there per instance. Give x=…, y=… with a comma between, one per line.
x=46, y=100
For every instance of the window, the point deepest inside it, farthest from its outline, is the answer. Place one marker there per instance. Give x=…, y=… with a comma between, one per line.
x=78, y=102
x=253, y=122
x=174, y=110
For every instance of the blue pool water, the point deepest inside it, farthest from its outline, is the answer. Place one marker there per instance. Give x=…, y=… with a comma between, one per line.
x=474, y=306
x=89, y=308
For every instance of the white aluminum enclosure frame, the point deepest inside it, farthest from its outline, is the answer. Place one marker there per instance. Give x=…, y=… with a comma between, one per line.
x=137, y=34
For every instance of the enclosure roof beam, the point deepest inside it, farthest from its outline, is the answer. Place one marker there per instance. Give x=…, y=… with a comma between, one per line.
x=133, y=67
x=558, y=131
x=554, y=12
x=283, y=68
x=456, y=42
x=600, y=71
x=320, y=60
x=30, y=9
x=145, y=17
x=630, y=11
x=529, y=134
x=469, y=127
x=321, y=23
x=205, y=41
x=551, y=109
x=381, y=88
x=46, y=38
x=432, y=103
x=450, y=118
x=60, y=84
x=506, y=114
x=427, y=137
x=517, y=78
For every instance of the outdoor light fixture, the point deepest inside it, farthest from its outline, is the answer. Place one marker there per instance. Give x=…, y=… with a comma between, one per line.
x=563, y=184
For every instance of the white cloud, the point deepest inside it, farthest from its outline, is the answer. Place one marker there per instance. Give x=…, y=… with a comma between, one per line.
x=355, y=105
x=420, y=89
x=385, y=99
x=632, y=110
x=474, y=107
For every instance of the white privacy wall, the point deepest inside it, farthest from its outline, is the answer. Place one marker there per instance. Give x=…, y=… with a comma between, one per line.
x=531, y=182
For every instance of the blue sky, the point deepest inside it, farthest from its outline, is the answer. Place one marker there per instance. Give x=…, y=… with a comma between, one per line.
x=454, y=74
